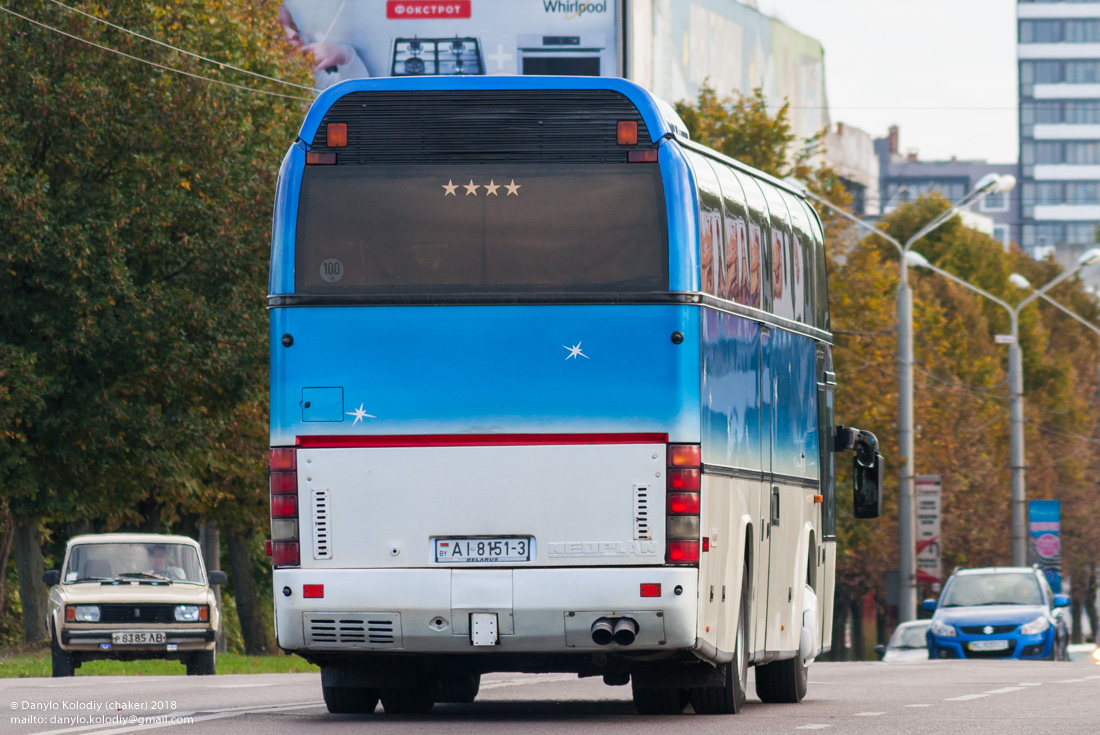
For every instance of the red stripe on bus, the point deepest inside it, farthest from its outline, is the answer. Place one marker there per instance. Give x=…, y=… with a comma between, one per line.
x=475, y=440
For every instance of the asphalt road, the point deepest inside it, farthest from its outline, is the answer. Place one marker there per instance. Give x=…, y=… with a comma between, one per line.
x=955, y=697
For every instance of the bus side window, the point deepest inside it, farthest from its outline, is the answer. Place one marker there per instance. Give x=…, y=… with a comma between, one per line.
x=759, y=227
x=711, y=245
x=821, y=284
x=804, y=264
x=782, y=264
x=736, y=267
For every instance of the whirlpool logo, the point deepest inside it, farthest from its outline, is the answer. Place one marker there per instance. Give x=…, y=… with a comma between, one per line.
x=574, y=8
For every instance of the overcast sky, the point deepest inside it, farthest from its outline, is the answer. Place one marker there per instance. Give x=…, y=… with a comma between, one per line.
x=944, y=71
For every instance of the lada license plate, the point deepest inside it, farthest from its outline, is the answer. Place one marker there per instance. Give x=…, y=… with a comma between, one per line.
x=138, y=638
x=479, y=550
x=988, y=645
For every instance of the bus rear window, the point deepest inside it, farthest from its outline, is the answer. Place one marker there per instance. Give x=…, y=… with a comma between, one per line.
x=463, y=228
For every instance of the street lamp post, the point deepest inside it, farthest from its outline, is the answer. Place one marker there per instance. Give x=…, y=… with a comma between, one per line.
x=1016, y=390
x=907, y=559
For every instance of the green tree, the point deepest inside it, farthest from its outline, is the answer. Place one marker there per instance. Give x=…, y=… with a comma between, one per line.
x=134, y=220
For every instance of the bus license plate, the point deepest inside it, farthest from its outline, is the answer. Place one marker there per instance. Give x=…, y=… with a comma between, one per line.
x=143, y=638
x=481, y=550
x=988, y=645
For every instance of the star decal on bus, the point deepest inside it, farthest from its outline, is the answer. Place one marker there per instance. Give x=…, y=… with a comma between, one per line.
x=450, y=187
x=471, y=188
x=513, y=188
x=574, y=351
x=492, y=188
x=359, y=415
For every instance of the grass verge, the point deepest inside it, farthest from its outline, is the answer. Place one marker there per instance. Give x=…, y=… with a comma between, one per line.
x=23, y=662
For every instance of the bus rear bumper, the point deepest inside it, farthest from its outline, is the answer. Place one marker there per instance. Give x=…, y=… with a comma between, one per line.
x=430, y=610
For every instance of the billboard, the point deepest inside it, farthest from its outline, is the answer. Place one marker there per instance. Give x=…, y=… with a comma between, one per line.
x=1044, y=531
x=929, y=496
x=353, y=39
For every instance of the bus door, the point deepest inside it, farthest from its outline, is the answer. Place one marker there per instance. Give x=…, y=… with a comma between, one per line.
x=763, y=527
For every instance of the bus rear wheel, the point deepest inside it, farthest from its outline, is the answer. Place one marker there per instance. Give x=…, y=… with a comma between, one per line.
x=350, y=700
x=456, y=688
x=782, y=681
x=659, y=701
x=415, y=701
x=729, y=699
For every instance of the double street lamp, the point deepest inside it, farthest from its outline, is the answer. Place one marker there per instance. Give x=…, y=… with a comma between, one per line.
x=1016, y=387
x=907, y=559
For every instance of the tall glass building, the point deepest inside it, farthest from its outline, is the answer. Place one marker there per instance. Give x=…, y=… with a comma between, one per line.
x=1059, y=55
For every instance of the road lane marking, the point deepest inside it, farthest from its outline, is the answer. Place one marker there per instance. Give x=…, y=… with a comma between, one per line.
x=243, y=686
x=918, y=705
x=812, y=727
x=521, y=682
x=868, y=714
x=965, y=697
x=1005, y=690
x=1031, y=683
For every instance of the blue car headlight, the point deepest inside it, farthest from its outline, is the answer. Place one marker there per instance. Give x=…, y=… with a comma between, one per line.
x=942, y=629
x=1036, y=626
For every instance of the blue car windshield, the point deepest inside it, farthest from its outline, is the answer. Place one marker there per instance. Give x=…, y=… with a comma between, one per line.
x=1002, y=588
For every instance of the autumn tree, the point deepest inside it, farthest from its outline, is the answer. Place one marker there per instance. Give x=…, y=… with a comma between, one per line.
x=134, y=221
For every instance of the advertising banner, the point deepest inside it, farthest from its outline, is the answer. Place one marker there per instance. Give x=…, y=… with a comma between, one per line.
x=354, y=39
x=929, y=494
x=1044, y=530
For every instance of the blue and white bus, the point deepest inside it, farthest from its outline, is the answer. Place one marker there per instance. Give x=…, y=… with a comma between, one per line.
x=551, y=391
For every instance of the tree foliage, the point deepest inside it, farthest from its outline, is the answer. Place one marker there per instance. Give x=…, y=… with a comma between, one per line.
x=134, y=222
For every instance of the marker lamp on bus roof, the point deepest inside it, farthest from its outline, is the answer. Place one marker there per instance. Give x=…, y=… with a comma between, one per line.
x=627, y=132
x=336, y=135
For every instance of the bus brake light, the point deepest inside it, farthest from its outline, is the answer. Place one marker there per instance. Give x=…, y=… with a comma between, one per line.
x=683, y=552
x=680, y=504
x=284, y=506
x=285, y=554
x=683, y=480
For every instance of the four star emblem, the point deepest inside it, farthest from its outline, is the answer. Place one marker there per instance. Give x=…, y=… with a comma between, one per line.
x=471, y=188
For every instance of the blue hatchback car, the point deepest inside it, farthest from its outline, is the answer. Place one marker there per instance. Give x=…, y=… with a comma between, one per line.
x=998, y=612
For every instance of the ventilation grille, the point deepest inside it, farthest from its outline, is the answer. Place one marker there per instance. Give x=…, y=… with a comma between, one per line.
x=641, y=513
x=322, y=547
x=353, y=630
x=577, y=125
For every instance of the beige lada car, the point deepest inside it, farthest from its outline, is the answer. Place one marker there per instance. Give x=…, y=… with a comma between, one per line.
x=131, y=596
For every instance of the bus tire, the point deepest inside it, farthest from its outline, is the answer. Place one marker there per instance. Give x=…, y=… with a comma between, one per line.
x=456, y=688
x=650, y=701
x=729, y=699
x=61, y=661
x=202, y=663
x=415, y=701
x=350, y=700
x=782, y=682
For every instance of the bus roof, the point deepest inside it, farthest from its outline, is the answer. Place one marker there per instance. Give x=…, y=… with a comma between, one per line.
x=648, y=105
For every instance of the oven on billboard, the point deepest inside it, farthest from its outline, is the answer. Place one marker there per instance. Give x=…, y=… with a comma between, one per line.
x=401, y=38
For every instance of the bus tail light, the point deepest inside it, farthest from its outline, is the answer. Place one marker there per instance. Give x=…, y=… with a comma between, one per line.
x=627, y=133
x=336, y=135
x=283, y=485
x=314, y=158
x=646, y=156
x=682, y=504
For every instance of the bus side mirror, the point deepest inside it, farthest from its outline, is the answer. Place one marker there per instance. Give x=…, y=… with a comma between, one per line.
x=52, y=577
x=868, y=487
x=867, y=470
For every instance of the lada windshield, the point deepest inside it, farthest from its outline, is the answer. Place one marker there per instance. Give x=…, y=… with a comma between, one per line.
x=1002, y=588
x=133, y=562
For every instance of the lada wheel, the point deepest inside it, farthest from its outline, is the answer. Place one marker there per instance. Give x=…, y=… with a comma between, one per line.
x=202, y=663
x=350, y=700
x=61, y=661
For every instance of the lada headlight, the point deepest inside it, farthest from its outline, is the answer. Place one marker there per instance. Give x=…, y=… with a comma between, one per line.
x=942, y=629
x=1038, y=625
x=82, y=614
x=191, y=613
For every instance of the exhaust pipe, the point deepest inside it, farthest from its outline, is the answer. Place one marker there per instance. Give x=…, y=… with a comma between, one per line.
x=625, y=631
x=603, y=632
